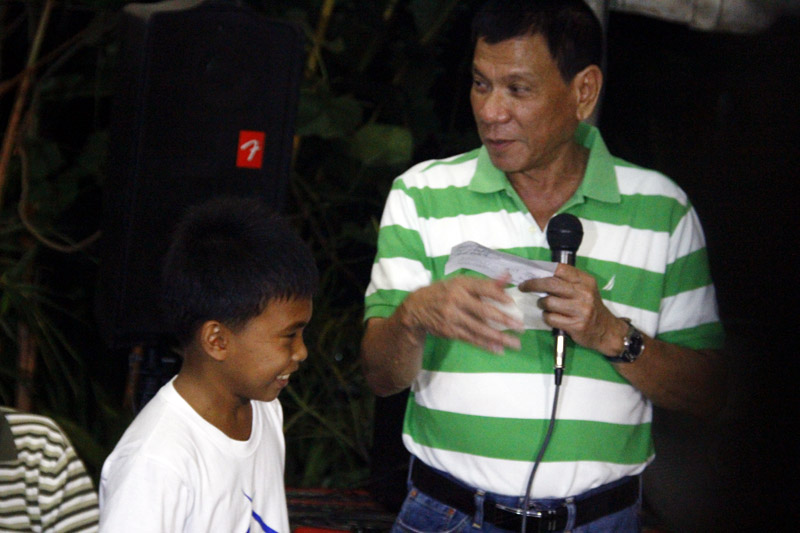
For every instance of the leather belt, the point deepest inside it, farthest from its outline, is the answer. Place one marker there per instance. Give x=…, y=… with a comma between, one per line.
x=588, y=509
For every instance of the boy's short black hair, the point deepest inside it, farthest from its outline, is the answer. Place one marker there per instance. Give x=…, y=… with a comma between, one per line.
x=571, y=29
x=228, y=259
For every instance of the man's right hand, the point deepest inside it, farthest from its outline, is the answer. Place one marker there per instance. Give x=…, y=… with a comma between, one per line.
x=459, y=308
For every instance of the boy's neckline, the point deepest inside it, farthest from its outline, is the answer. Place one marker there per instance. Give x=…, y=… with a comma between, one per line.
x=235, y=420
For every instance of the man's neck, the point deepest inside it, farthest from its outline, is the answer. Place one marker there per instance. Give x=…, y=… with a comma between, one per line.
x=545, y=190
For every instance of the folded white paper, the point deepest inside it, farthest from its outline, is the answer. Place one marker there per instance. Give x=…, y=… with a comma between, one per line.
x=473, y=256
x=494, y=264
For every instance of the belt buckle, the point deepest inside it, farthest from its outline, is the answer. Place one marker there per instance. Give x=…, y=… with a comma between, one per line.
x=546, y=519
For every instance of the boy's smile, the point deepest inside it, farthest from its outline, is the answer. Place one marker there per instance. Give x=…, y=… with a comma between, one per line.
x=264, y=353
x=251, y=362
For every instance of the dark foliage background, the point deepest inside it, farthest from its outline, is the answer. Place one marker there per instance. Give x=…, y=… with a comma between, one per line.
x=388, y=86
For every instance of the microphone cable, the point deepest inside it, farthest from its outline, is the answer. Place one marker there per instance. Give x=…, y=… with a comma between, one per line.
x=539, y=456
x=564, y=235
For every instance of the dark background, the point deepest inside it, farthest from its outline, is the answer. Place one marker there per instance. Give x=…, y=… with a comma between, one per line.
x=719, y=113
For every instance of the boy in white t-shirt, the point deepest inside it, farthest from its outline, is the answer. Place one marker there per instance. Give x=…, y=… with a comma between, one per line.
x=207, y=452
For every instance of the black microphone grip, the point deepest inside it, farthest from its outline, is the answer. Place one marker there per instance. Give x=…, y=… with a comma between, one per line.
x=564, y=235
x=567, y=257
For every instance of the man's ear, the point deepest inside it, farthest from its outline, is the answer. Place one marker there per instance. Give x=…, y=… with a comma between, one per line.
x=587, y=84
x=214, y=339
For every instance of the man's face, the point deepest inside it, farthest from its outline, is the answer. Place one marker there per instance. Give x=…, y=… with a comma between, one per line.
x=268, y=349
x=525, y=113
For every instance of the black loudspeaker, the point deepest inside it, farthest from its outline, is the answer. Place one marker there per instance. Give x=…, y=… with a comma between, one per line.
x=205, y=106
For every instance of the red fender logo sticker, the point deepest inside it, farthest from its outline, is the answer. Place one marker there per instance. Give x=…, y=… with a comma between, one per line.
x=251, y=149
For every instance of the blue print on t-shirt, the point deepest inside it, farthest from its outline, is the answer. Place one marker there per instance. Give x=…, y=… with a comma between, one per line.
x=264, y=527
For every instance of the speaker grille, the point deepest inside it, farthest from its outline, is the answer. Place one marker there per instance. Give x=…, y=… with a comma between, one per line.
x=192, y=77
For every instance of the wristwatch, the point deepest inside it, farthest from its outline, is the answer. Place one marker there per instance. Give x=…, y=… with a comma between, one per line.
x=633, y=345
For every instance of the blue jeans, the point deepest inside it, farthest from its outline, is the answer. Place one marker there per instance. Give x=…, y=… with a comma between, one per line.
x=422, y=513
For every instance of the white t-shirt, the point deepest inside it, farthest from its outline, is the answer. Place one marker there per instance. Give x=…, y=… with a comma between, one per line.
x=173, y=471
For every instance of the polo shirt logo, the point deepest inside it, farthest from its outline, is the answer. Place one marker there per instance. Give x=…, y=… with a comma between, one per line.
x=610, y=284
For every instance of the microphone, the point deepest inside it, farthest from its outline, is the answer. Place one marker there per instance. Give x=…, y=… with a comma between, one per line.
x=564, y=235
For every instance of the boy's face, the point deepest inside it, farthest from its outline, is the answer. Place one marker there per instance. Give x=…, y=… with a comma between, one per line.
x=268, y=349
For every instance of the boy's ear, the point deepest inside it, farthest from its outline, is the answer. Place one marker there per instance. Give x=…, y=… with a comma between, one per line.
x=214, y=339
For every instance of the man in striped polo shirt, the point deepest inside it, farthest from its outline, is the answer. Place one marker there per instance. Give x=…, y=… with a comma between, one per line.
x=43, y=483
x=481, y=380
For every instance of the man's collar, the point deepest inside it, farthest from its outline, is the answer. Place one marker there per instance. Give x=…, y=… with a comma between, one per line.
x=599, y=181
x=8, y=450
x=487, y=177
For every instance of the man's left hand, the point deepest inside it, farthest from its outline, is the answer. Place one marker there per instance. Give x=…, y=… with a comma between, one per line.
x=573, y=304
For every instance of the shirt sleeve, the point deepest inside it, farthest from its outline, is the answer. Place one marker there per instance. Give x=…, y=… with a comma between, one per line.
x=401, y=263
x=689, y=315
x=138, y=494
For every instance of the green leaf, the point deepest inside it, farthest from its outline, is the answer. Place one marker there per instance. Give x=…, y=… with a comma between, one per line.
x=383, y=144
x=328, y=117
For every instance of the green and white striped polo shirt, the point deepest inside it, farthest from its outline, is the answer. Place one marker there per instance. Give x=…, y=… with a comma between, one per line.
x=482, y=417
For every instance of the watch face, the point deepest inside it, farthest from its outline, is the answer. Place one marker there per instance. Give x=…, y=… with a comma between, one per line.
x=633, y=346
x=636, y=344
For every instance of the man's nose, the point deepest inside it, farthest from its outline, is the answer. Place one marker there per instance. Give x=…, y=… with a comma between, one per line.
x=493, y=107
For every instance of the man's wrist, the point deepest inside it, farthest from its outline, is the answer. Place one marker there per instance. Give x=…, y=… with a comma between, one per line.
x=614, y=338
x=632, y=344
x=409, y=320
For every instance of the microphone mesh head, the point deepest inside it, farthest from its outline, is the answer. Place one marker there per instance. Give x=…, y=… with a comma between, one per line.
x=564, y=232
